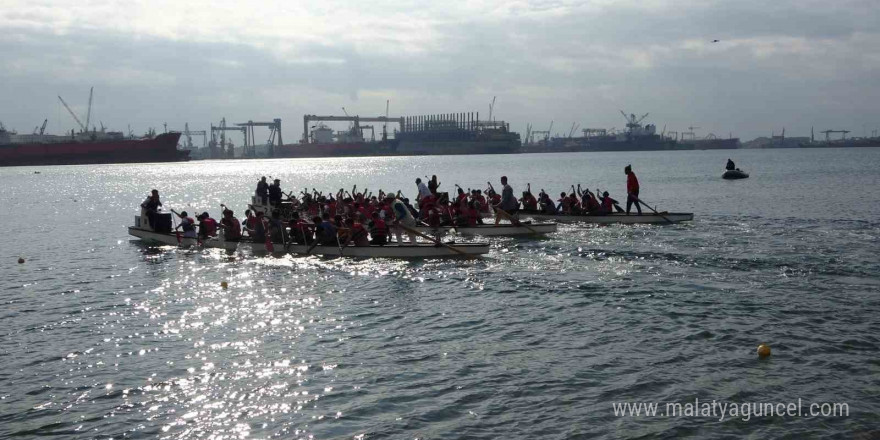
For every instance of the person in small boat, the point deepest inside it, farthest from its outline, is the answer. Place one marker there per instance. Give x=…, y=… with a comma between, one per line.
x=632, y=190
x=250, y=221
x=275, y=193
x=730, y=165
x=263, y=190
x=528, y=200
x=187, y=225
x=433, y=184
x=607, y=203
x=358, y=233
x=230, y=226
x=151, y=208
x=207, y=226
x=378, y=230
x=276, y=227
x=547, y=204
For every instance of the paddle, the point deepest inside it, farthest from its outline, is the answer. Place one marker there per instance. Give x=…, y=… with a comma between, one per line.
x=652, y=209
x=514, y=221
x=176, y=231
x=436, y=241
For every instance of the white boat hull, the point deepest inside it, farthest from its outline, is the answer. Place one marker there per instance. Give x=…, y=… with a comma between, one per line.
x=491, y=230
x=646, y=218
x=420, y=250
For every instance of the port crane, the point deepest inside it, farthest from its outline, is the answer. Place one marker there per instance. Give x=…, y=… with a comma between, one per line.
x=250, y=142
x=225, y=150
x=188, y=134
x=356, y=120
x=632, y=122
x=40, y=129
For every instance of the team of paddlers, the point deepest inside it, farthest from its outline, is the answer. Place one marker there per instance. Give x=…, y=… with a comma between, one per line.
x=360, y=218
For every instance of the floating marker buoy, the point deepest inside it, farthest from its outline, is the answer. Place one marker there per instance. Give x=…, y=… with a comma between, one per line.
x=20, y=260
x=763, y=350
x=223, y=284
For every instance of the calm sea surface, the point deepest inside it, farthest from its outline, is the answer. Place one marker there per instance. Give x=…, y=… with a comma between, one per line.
x=101, y=336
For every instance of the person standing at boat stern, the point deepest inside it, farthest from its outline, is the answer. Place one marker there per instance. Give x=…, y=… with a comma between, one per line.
x=263, y=190
x=275, y=193
x=509, y=203
x=632, y=190
x=151, y=208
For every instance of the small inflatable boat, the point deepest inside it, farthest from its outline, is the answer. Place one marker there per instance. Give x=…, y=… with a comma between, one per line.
x=735, y=174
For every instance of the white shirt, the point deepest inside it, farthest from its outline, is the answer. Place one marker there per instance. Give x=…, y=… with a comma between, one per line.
x=423, y=190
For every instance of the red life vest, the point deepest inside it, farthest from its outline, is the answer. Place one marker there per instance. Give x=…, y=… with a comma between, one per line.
x=471, y=216
x=379, y=228
x=232, y=228
x=607, y=206
x=210, y=226
x=632, y=183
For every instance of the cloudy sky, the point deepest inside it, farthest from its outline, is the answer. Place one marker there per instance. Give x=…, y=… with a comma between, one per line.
x=791, y=63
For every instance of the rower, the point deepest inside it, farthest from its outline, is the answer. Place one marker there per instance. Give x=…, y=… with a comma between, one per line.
x=207, y=226
x=607, y=203
x=508, y=202
x=325, y=232
x=358, y=231
x=300, y=230
x=150, y=208
x=433, y=184
x=378, y=230
x=632, y=189
x=250, y=222
x=402, y=216
x=730, y=165
x=263, y=190
x=230, y=226
x=275, y=193
x=258, y=231
x=187, y=225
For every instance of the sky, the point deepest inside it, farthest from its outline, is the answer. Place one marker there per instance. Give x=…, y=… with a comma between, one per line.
x=782, y=63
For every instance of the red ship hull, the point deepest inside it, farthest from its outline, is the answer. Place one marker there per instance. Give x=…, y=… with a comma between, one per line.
x=162, y=148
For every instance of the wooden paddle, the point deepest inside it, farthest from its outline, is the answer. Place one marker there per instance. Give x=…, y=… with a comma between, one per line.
x=652, y=209
x=436, y=241
x=514, y=221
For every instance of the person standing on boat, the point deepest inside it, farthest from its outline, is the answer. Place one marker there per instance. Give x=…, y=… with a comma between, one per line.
x=632, y=190
x=402, y=216
x=187, y=224
x=508, y=203
x=151, y=208
x=730, y=165
x=275, y=193
x=263, y=190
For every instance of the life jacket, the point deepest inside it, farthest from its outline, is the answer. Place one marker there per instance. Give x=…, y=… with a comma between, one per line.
x=472, y=216
x=607, y=204
x=359, y=234
x=632, y=183
x=251, y=222
x=379, y=228
x=232, y=228
x=433, y=219
x=210, y=226
x=592, y=204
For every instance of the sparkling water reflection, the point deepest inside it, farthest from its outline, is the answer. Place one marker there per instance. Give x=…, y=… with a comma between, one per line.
x=106, y=337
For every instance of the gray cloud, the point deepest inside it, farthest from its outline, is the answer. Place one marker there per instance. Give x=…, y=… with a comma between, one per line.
x=792, y=64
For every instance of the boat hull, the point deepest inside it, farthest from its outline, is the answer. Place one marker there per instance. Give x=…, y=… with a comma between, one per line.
x=734, y=174
x=162, y=148
x=504, y=230
x=420, y=250
x=616, y=218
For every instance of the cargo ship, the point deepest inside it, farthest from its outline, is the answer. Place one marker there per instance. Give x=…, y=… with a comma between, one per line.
x=636, y=137
x=94, y=147
x=323, y=141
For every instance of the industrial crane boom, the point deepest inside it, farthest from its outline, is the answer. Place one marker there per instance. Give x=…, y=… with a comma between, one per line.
x=72, y=113
x=89, y=112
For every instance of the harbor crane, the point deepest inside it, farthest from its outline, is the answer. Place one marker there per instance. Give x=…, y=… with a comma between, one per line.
x=229, y=148
x=81, y=126
x=40, y=129
x=355, y=120
x=828, y=134
x=250, y=141
x=632, y=122
x=188, y=134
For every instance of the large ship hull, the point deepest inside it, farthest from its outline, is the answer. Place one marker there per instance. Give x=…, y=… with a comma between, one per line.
x=162, y=148
x=454, y=147
x=347, y=149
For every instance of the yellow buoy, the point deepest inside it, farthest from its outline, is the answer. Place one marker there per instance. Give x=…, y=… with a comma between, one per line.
x=763, y=350
x=20, y=260
x=224, y=284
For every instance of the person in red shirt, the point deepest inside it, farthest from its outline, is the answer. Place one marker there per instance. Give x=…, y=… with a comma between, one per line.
x=632, y=190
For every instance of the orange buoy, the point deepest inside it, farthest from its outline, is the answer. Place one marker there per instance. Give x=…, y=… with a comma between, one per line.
x=763, y=350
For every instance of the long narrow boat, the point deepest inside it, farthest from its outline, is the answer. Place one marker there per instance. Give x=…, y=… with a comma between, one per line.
x=491, y=230
x=419, y=250
x=646, y=218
